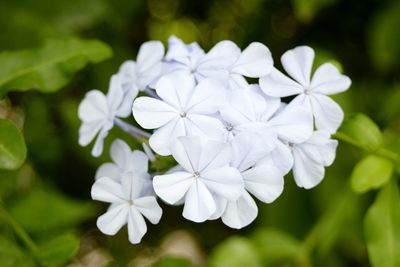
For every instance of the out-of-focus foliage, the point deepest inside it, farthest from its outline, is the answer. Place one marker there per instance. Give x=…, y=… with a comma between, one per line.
x=47, y=217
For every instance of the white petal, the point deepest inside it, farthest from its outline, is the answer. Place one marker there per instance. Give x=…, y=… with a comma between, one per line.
x=88, y=131
x=306, y=171
x=186, y=151
x=281, y=157
x=265, y=182
x=225, y=182
x=149, y=207
x=321, y=148
x=255, y=61
x=206, y=97
x=214, y=154
x=221, y=204
x=293, y=124
x=298, y=64
x=111, y=222
x=199, y=203
x=172, y=187
x=221, y=56
x=152, y=113
x=115, y=93
x=237, y=82
x=136, y=226
x=150, y=53
x=132, y=185
x=93, y=107
x=109, y=170
x=277, y=84
x=138, y=162
x=107, y=190
x=99, y=143
x=241, y=212
x=327, y=113
x=120, y=152
x=204, y=126
x=161, y=139
x=328, y=80
x=175, y=89
x=249, y=147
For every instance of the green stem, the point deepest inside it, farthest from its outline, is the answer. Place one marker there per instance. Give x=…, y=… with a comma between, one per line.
x=382, y=152
x=19, y=231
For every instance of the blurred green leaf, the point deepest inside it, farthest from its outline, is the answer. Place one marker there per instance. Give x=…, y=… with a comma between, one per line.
x=371, y=172
x=359, y=129
x=381, y=228
x=58, y=210
x=173, y=262
x=58, y=250
x=275, y=245
x=12, y=146
x=50, y=67
x=13, y=256
x=384, y=37
x=235, y=252
x=305, y=10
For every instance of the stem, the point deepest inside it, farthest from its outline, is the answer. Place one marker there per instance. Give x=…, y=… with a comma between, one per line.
x=19, y=231
x=382, y=152
x=132, y=130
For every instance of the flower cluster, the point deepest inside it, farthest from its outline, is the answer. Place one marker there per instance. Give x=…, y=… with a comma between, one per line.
x=233, y=140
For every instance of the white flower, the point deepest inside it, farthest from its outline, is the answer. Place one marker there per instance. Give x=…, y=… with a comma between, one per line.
x=264, y=181
x=224, y=62
x=293, y=124
x=243, y=113
x=127, y=207
x=254, y=61
x=126, y=162
x=136, y=76
x=206, y=173
x=312, y=93
x=97, y=113
x=184, y=109
x=311, y=157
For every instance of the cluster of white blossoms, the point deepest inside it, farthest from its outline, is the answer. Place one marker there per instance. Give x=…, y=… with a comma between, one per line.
x=233, y=140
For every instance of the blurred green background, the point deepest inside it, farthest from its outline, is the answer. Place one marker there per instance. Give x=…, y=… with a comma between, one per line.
x=49, y=196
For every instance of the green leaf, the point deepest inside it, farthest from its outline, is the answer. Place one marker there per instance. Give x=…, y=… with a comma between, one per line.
x=13, y=256
x=58, y=251
x=371, y=172
x=235, y=252
x=12, y=146
x=382, y=228
x=305, y=10
x=59, y=211
x=275, y=245
x=361, y=130
x=50, y=67
x=173, y=262
x=384, y=42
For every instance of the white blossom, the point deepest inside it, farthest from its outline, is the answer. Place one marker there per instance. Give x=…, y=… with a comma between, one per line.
x=224, y=62
x=311, y=157
x=136, y=75
x=126, y=162
x=206, y=173
x=263, y=181
x=312, y=92
x=183, y=109
x=127, y=207
x=97, y=113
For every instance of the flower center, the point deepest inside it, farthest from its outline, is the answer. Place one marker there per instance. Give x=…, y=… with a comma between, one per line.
x=182, y=114
x=229, y=127
x=196, y=174
x=130, y=202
